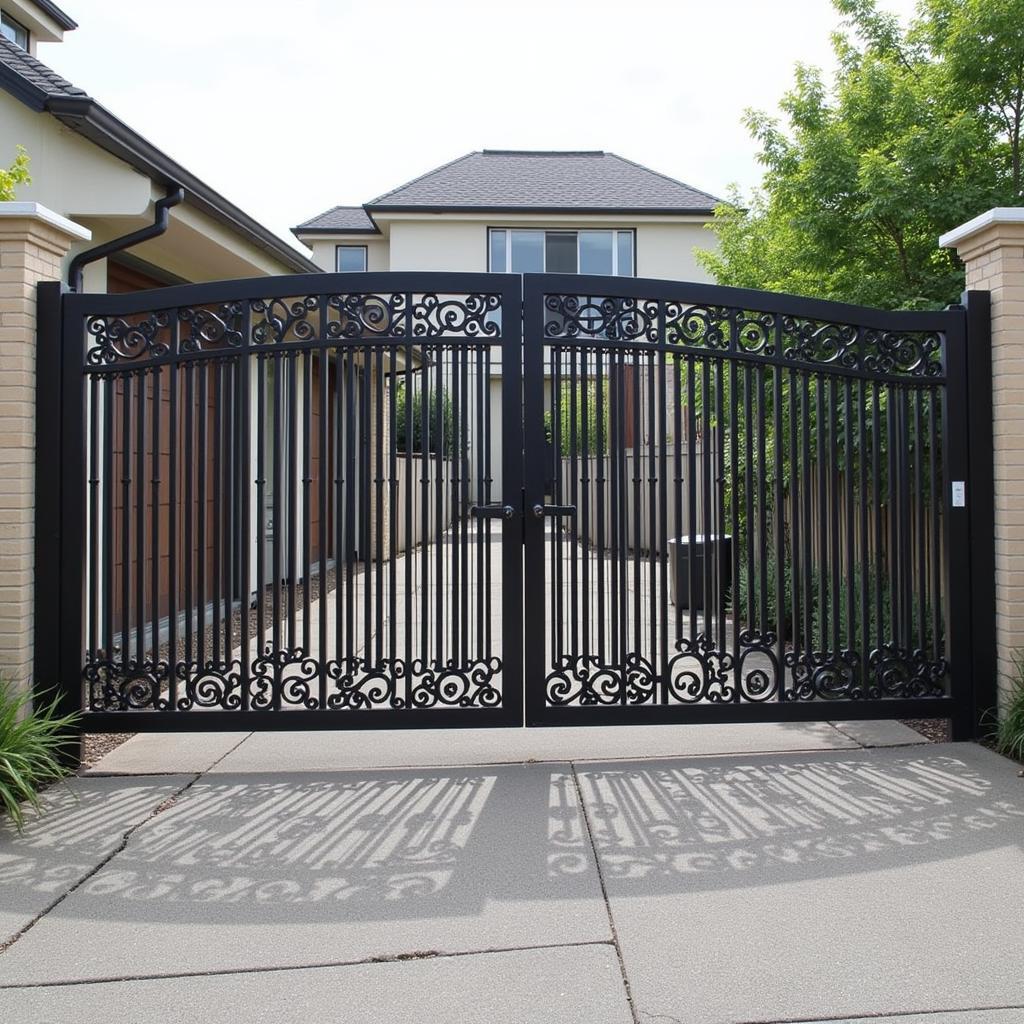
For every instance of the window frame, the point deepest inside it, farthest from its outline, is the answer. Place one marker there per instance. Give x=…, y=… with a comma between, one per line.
x=8, y=20
x=337, y=258
x=615, y=232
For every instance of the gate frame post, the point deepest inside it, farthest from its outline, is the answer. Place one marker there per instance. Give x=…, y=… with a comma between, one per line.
x=981, y=509
x=57, y=555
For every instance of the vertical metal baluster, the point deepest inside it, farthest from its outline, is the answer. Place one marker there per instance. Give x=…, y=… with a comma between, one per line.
x=795, y=521
x=109, y=400
x=922, y=565
x=762, y=509
x=653, y=444
x=834, y=517
x=577, y=464
x=275, y=617
x=292, y=523
x=189, y=511
x=554, y=545
x=710, y=560
x=582, y=451
x=94, y=482
x=863, y=446
x=488, y=596
x=894, y=439
x=378, y=470
x=246, y=478
x=408, y=426
x=637, y=489
x=126, y=517
x=261, y=502
x=936, y=529
x=343, y=413
x=325, y=467
x=807, y=545
x=307, y=483
x=720, y=566
x=614, y=445
x=440, y=440
x=393, y=544
x=231, y=510
x=851, y=583
x=601, y=456
x=748, y=497
x=661, y=438
x=824, y=441
x=425, y=596
x=881, y=550
x=140, y=525
x=779, y=517
x=217, y=526
x=172, y=528
x=906, y=584
x=154, y=541
x=734, y=486
x=623, y=524
x=463, y=449
x=677, y=438
x=482, y=409
x=365, y=470
x=453, y=496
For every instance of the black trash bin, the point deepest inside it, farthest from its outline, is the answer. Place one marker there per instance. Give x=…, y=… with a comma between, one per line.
x=715, y=549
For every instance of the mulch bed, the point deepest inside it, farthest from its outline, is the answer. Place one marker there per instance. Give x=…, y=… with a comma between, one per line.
x=934, y=730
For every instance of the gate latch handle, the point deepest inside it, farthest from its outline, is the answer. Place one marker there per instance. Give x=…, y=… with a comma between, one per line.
x=493, y=511
x=540, y=511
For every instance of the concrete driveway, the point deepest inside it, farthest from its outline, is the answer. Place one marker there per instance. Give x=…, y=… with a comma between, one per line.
x=779, y=873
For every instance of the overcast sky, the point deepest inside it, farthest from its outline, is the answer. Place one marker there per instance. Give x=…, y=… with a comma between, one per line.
x=289, y=108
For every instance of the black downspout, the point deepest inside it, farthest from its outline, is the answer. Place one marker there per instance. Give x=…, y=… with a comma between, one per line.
x=175, y=194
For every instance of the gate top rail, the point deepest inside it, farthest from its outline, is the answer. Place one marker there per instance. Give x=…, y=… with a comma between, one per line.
x=712, y=320
x=222, y=318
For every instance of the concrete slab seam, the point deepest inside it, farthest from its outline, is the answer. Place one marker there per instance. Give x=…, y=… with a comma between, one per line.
x=604, y=894
x=881, y=1015
x=395, y=958
x=120, y=848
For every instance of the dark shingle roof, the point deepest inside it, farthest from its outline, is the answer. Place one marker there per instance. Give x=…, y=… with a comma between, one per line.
x=33, y=76
x=341, y=219
x=577, y=181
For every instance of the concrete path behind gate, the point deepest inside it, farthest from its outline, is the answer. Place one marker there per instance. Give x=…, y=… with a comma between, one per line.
x=674, y=874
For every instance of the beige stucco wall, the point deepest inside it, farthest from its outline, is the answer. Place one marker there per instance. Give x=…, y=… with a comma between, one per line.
x=80, y=180
x=323, y=250
x=458, y=242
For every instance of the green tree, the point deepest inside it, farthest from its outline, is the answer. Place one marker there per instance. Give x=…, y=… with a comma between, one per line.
x=15, y=175
x=916, y=134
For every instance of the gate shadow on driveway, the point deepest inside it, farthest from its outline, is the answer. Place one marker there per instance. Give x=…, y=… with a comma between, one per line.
x=422, y=843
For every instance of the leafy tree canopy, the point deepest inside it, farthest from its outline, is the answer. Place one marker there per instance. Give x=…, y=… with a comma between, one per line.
x=16, y=174
x=918, y=132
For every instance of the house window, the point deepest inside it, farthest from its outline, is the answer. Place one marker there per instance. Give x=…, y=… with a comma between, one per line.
x=13, y=30
x=350, y=258
x=514, y=251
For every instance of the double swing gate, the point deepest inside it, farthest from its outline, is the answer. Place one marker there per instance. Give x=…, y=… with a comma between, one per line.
x=410, y=499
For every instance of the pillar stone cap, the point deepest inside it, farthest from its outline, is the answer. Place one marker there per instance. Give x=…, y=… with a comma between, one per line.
x=990, y=218
x=36, y=211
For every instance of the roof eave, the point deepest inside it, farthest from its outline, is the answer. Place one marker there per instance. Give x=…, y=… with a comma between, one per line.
x=21, y=88
x=66, y=22
x=672, y=211
x=93, y=121
x=300, y=231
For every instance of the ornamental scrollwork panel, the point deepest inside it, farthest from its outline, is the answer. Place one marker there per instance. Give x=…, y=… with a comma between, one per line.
x=128, y=339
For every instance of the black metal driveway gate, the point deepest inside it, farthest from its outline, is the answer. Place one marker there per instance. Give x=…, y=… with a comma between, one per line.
x=394, y=500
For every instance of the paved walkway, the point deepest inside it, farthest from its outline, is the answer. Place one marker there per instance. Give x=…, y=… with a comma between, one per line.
x=783, y=873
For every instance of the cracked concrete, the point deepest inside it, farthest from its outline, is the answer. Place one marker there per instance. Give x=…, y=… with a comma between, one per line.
x=836, y=884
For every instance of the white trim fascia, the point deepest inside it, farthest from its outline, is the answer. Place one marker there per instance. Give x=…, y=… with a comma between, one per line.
x=43, y=213
x=997, y=215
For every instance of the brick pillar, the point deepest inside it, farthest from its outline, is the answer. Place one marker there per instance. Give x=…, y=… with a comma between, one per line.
x=992, y=249
x=33, y=244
